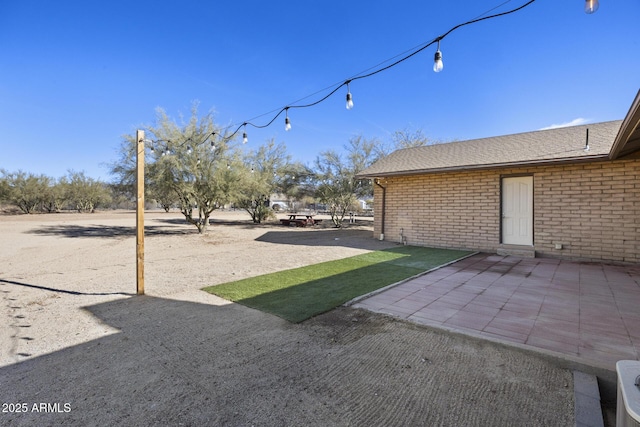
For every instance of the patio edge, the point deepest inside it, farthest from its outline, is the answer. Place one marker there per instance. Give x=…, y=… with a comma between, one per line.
x=377, y=291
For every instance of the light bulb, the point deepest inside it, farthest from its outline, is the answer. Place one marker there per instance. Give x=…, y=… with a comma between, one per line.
x=349, y=101
x=188, y=149
x=590, y=6
x=437, y=61
x=245, y=139
x=287, y=124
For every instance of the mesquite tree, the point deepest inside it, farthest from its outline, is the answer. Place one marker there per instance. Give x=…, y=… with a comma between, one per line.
x=193, y=162
x=24, y=190
x=264, y=173
x=337, y=186
x=188, y=165
x=84, y=193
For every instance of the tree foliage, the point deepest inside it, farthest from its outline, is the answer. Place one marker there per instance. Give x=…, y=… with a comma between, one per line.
x=32, y=193
x=193, y=166
x=296, y=182
x=24, y=190
x=85, y=193
x=55, y=197
x=337, y=186
x=407, y=138
x=187, y=164
x=265, y=173
x=335, y=173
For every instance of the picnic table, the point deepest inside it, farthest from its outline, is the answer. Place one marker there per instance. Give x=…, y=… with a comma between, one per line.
x=300, y=220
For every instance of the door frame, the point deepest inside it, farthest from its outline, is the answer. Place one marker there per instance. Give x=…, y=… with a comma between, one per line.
x=533, y=200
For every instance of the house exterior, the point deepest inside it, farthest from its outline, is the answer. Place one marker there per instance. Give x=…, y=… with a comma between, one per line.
x=571, y=193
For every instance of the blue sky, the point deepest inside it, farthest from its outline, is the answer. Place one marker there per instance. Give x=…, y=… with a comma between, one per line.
x=77, y=75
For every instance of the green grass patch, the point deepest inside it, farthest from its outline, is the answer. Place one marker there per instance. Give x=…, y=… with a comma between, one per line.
x=300, y=293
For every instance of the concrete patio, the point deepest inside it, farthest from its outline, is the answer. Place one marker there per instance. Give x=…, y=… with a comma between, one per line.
x=586, y=312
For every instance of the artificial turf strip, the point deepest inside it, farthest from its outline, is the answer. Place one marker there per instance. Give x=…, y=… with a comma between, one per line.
x=300, y=293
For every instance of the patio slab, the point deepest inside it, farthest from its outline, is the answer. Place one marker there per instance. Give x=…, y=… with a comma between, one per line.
x=587, y=312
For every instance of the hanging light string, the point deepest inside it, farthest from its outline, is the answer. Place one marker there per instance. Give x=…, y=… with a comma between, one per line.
x=359, y=76
x=439, y=38
x=421, y=46
x=362, y=75
x=169, y=142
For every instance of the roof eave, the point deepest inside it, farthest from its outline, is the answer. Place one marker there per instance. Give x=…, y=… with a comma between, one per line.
x=628, y=127
x=462, y=168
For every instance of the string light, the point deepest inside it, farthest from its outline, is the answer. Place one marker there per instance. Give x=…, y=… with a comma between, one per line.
x=437, y=60
x=414, y=51
x=590, y=6
x=287, y=122
x=349, y=98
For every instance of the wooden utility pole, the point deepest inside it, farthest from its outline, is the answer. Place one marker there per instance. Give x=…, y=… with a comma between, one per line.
x=140, y=213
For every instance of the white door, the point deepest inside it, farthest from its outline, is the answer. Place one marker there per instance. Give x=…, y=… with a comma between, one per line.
x=517, y=210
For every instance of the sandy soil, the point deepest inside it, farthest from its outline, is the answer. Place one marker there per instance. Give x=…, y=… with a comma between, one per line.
x=78, y=348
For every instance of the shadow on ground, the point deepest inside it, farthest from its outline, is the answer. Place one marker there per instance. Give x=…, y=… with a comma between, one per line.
x=296, y=296
x=343, y=237
x=106, y=231
x=212, y=222
x=58, y=290
x=184, y=363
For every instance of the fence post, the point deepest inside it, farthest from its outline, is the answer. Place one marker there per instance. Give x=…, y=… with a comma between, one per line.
x=140, y=213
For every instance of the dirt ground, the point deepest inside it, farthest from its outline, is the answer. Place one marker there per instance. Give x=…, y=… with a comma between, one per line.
x=79, y=348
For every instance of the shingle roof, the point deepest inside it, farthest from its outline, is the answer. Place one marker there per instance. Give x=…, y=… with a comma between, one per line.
x=543, y=146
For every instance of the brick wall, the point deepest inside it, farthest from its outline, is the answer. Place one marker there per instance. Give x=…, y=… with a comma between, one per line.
x=592, y=209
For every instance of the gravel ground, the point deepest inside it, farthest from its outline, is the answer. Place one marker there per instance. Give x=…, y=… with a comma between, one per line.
x=78, y=348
